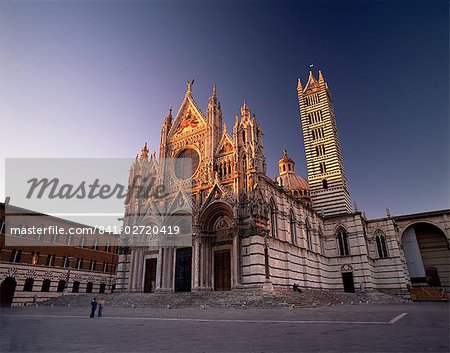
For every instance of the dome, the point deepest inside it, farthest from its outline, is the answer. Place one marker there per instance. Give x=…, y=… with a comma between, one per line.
x=295, y=183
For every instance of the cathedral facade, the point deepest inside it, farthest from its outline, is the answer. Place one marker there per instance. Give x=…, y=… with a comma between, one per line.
x=251, y=231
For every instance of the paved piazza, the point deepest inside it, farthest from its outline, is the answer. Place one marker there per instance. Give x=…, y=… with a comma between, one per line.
x=418, y=327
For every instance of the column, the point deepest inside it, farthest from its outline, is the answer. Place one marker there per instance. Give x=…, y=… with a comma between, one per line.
x=235, y=279
x=196, y=263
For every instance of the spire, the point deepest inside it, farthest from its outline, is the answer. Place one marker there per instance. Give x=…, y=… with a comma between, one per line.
x=245, y=111
x=299, y=85
x=321, y=77
x=225, y=129
x=213, y=99
x=144, y=152
x=168, y=120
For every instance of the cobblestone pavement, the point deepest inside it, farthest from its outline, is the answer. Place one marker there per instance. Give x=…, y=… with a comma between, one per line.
x=416, y=327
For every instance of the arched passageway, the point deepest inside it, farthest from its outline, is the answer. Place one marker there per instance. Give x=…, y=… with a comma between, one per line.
x=427, y=254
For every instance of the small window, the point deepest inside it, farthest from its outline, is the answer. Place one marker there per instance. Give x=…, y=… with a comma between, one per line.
x=322, y=243
x=293, y=229
x=381, y=246
x=15, y=255
x=35, y=259
x=322, y=167
x=76, y=287
x=61, y=286
x=50, y=260
x=342, y=238
x=308, y=235
x=273, y=219
x=89, y=287
x=56, y=239
x=325, y=183
x=28, y=286
x=46, y=285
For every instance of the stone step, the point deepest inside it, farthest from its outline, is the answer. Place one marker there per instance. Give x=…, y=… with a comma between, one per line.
x=238, y=298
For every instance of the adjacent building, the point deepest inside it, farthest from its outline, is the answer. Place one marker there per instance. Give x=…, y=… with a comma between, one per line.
x=31, y=270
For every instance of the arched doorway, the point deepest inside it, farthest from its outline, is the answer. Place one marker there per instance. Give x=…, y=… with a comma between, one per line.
x=427, y=255
x=8, y=288
x=181, y=243
x=217, y=246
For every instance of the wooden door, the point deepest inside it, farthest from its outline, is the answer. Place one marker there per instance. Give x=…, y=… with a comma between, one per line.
x=183, y=270
x=150, y=275
x=222, y=270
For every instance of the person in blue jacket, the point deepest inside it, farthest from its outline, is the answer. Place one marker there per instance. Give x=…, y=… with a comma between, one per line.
x=93, y=307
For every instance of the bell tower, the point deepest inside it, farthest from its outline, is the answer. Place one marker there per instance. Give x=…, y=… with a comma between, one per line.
x=326, y=174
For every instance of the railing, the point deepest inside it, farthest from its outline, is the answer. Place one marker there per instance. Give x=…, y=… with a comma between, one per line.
x=429, y=293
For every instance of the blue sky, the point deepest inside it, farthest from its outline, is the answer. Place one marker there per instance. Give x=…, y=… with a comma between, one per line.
x=95, y=79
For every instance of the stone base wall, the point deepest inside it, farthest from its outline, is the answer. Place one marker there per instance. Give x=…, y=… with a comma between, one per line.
x=20, y=272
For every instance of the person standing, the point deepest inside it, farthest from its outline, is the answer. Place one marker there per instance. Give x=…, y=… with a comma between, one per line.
x=101, y=303
x=362, y=288
x=93, y=307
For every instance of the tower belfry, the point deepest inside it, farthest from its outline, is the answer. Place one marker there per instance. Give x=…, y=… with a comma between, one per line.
x=326, y=174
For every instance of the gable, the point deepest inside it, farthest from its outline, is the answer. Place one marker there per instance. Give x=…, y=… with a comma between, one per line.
x=225, y=145
x=189, y=118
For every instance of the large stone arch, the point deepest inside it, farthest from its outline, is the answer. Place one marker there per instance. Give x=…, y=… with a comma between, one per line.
x=218, y=247
x=427, y=252
x=213, y=214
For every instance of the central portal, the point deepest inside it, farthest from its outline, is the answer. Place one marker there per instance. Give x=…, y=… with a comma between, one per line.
x=222, y=270
x=183, y=270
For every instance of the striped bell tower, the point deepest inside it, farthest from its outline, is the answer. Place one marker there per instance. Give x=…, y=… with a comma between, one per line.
x=326, y=174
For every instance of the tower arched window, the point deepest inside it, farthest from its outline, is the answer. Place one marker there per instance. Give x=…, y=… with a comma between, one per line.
x=325, y=183
x=381, y=245
x=342, y=239
x=273, y=219
x=292, y=228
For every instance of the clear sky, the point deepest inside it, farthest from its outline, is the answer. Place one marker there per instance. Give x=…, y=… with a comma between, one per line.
x=95, y=79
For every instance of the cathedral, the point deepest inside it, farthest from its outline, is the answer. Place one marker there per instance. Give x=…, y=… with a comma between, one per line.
x=249, y=230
